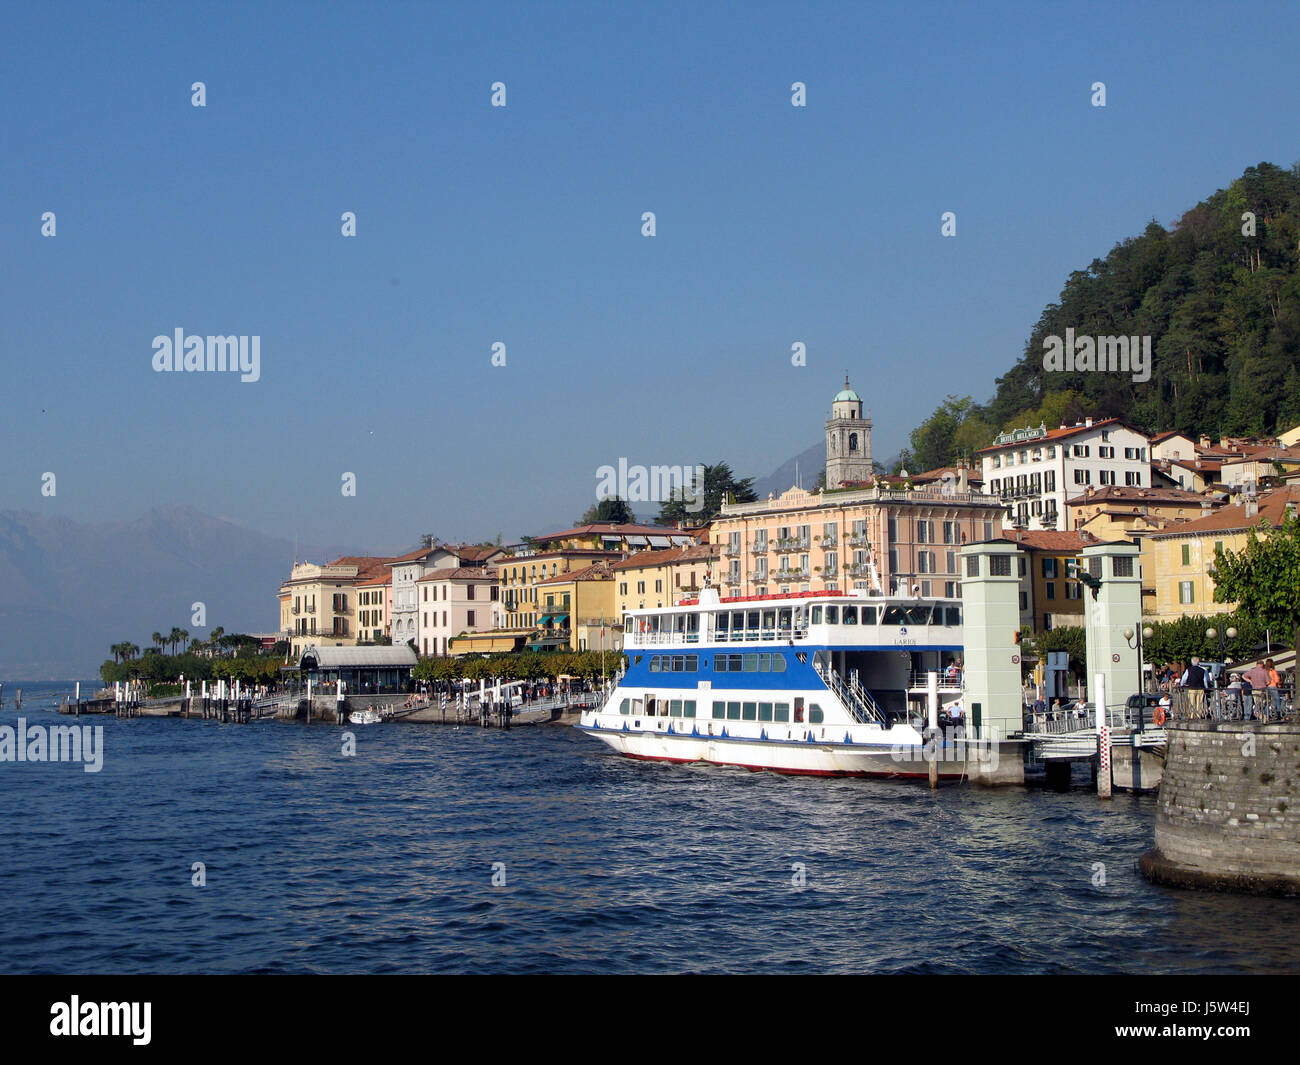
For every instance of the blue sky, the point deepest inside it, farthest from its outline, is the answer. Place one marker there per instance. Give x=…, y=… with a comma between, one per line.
x=522, y=224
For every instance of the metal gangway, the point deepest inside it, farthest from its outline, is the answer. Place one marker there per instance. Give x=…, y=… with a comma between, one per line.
x=852, y=694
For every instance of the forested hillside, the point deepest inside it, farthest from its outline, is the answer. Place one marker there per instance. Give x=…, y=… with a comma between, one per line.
x=1219, y=295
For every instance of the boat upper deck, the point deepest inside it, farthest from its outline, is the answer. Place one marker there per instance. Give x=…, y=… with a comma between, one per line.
x=821, y=619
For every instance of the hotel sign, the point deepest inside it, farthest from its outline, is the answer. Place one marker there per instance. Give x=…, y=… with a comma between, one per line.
x=1020, y=435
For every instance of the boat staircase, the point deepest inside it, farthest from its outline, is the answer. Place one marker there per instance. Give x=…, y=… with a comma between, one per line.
x=853, y=695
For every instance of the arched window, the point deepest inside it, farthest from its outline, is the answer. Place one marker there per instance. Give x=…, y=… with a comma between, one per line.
x=853, y=441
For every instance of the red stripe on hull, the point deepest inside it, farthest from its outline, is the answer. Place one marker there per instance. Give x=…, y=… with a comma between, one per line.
x=789, y=772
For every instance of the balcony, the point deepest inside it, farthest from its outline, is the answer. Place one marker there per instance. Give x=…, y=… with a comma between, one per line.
x=786, y=575
x=792, y=543
x=828, y=543
x=731, y=550
x=859, y=540
x=858, y=569
x=759, y=547
x=758, y=575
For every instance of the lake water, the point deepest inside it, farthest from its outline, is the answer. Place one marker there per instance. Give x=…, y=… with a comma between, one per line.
x=384, y=862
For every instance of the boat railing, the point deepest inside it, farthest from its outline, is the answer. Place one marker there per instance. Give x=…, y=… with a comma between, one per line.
x=949, y=680
x=760, y=635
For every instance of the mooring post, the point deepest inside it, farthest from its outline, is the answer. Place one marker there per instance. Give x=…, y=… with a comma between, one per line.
x=1103, y=739
x=932, y=701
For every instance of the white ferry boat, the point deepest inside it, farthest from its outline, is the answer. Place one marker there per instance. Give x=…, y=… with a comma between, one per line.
x=824, y=683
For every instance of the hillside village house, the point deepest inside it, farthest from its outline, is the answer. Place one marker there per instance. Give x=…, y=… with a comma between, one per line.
x=1177, y=561
x=1116, y=512
x=1050, y=591
x=1035, y=471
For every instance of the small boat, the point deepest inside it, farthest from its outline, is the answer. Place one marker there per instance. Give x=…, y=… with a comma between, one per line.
x=368, y=716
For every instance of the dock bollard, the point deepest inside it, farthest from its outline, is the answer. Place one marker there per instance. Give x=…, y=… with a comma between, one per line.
x=1103, y=740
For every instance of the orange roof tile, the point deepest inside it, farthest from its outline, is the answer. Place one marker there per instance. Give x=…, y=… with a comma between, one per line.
x=1272, y=507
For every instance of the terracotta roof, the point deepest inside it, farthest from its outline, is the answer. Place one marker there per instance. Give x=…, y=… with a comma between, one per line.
x=947, y=472
x=1272, y=508
x=459, y=573
x=605, y=528
x=1160, y=438
x=376, y=578
x=1119, y=493
x=367, y=565
x=419, y=552
x=476, y=554
x=697, y=553
x=1060, y=434
x=598, y=572
x=1051, y=539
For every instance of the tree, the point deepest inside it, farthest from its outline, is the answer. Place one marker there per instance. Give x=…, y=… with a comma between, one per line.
x=720, y=486
x=1264, y=577
x=611, y=509
x=428, y=540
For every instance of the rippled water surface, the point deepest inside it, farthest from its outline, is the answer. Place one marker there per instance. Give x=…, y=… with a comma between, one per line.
x=383, y=862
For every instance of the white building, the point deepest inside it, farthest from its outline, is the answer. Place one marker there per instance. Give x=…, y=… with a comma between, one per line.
x=411, y=568
x=455, y=600
x=1034, y=471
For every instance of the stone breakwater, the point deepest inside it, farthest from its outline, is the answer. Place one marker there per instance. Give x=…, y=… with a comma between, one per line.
x=1229, y=808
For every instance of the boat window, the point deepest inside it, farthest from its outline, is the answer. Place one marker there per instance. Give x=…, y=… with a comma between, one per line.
x=720, y=663
x=850, y=615
x=654, y=664
x=816, y=615
x=675, y=708
x=769, y=619
x=781, y=712
x=953, y=614
x=688, y=708
x=765, y=663
x=636, y=659
x=814, y=714
x=832, y=615
x=751, y=663
x=692, y=663
x=636, y=707
x=798, y=710
x=719, y=711
x=868, y=615
x=783, y=618
x=720, y=622
x=733, y=711
x=737, y=622
x=894, y=615
x=765, y=711
x=778, y=663
x=751, y=711
x=624, y=706
x=918, y=615
x=679, y=663
x=752, y=620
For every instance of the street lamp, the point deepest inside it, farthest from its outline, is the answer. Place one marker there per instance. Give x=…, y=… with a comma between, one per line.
x=1145, y=633
x=1212, y=632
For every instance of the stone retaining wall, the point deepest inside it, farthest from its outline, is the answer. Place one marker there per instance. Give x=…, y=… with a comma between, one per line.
x=1229, y=808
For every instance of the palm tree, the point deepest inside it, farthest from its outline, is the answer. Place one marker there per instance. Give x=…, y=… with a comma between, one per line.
x=181, y=636
x=159, y=639
x=173, y=638
x=129, y=651
x=214, y=637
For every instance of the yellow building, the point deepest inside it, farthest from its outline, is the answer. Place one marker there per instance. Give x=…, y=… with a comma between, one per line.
x=556, y=554
x=577, y=611
x=320, y=604
x=1177, y=561
x=1115, y=512
x=663, y=578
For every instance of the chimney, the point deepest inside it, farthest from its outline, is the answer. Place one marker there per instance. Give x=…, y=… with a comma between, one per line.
x=1252, y=506
x=1087, y=423
x=1204, y=441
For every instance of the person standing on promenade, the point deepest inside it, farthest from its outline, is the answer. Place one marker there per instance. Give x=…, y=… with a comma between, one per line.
x=1194, y=681
x=1274, y=686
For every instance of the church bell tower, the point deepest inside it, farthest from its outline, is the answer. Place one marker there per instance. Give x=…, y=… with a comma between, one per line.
x=848, y=440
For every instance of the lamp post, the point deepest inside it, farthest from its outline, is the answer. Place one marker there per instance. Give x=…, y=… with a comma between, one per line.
x=1144, y=633
x=1230, y=632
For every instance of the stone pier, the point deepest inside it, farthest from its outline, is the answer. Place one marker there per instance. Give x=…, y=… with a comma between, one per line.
x=1229, y=808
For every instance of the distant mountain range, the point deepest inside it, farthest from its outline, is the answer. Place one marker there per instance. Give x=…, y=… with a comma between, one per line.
x=71, y=590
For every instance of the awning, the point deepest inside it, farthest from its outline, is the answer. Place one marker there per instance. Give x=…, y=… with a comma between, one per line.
x=561, y=617
x=659, y=541
x=637, y=541
x=544, y=619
